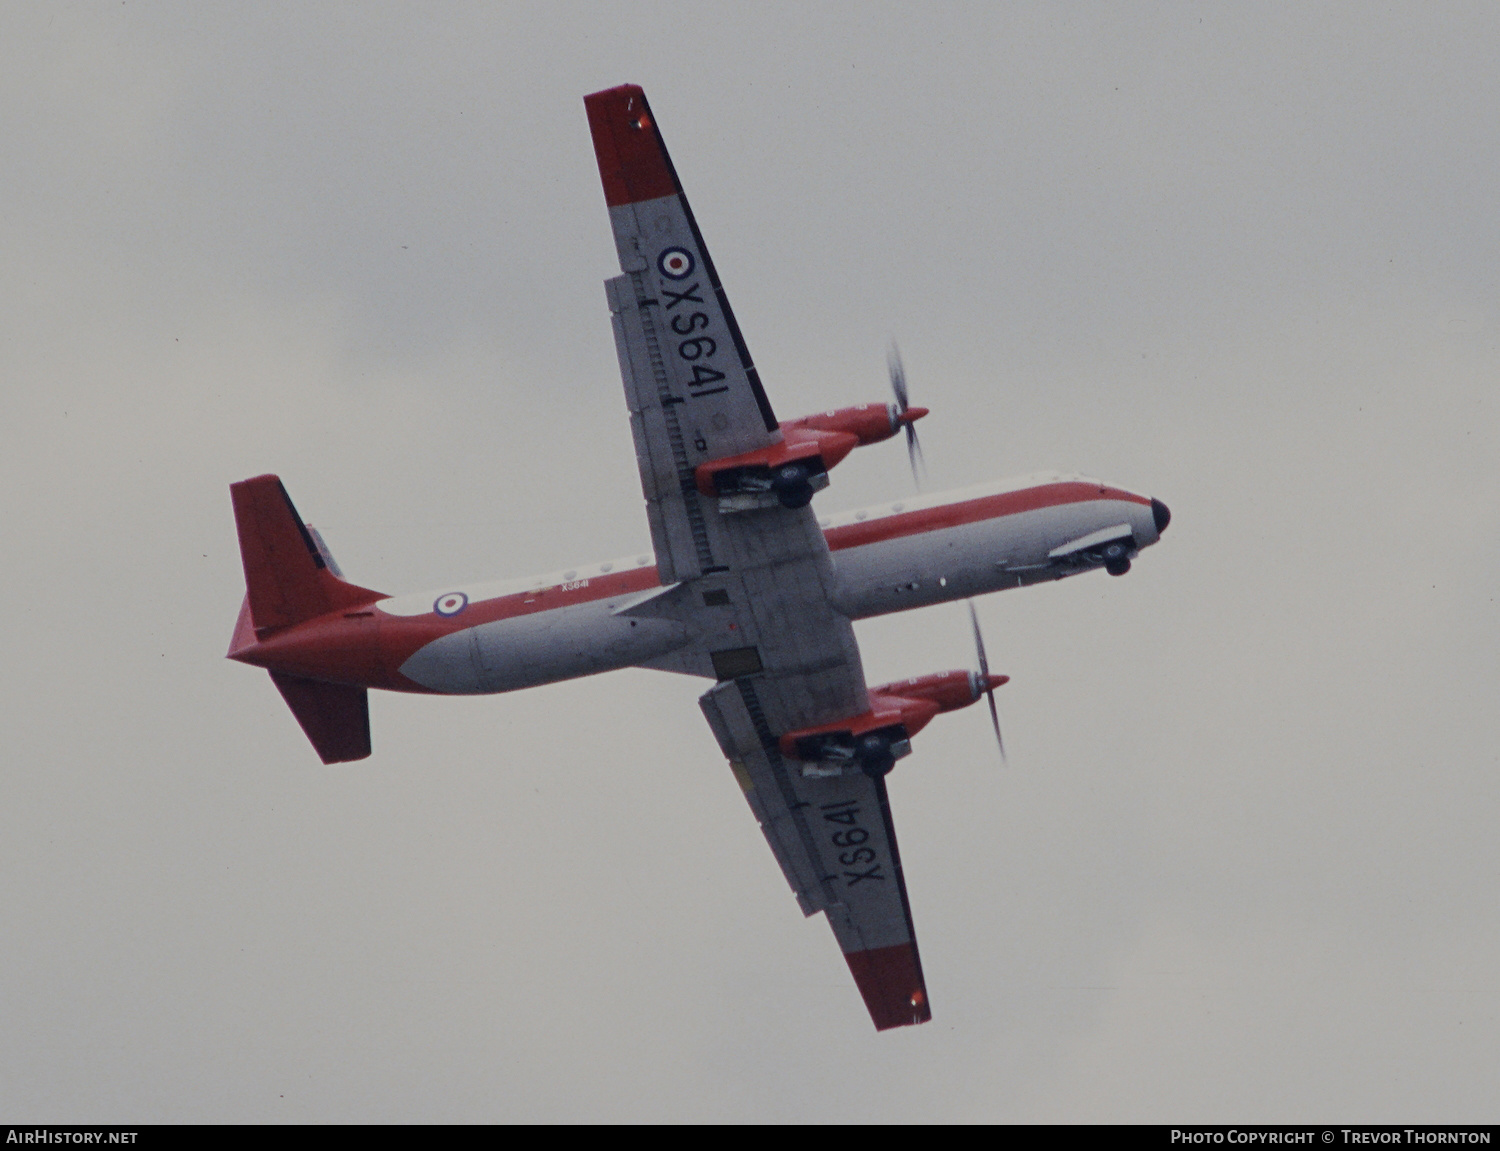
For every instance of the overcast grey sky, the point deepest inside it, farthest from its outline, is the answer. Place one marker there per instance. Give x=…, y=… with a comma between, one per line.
x=1243, y=863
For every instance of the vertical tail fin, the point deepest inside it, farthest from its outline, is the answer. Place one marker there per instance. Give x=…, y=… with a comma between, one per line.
x=287, y=578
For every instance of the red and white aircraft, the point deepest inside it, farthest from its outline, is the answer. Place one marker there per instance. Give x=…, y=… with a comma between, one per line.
x=745, y=588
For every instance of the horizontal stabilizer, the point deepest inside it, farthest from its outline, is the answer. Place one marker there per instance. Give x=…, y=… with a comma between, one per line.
x=287, y=577
x=335, y=716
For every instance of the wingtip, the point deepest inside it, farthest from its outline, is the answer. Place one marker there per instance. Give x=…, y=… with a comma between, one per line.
x=890, y=982
x=633, y=163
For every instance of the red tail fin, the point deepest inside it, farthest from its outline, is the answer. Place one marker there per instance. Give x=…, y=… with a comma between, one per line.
x=286, y=576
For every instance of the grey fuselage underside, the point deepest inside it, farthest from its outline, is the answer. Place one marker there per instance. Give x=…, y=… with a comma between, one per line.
x=676, y=631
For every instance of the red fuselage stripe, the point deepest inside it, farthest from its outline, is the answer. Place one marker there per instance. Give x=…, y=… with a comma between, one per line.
x=971, y=511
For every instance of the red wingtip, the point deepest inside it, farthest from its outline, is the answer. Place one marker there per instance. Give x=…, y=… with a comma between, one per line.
x=633, y=163
x=890, y=980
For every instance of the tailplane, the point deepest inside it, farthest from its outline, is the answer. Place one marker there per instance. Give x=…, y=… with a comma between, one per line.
x=334, y=716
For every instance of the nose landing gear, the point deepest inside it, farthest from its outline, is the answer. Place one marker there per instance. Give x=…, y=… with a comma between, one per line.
x=1116, y=559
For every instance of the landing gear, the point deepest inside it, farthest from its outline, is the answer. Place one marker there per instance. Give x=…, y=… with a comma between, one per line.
x=834, y=753
x=792, y=484
x=878, y=751
x=753, y=487
x=875, y=758
x=1116, y=559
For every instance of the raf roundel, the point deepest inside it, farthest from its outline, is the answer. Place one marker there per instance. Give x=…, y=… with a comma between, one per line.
x=675, y=263
x=450, y=604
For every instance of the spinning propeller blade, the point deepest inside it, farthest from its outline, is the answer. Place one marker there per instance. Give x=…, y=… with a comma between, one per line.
x=987, y=680
x=906, y=414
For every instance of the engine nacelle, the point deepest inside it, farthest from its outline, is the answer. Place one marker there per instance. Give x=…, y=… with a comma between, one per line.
x=790, y=472
x=949, y=690
x=787, y=473
x=867, y=423
x=874, y=740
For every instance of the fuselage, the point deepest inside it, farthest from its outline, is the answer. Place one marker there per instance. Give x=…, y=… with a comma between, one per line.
x=472, y=639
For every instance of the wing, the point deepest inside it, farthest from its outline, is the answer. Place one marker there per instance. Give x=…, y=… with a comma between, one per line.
x=753, y=586
x=692, y=388
x=835, y=841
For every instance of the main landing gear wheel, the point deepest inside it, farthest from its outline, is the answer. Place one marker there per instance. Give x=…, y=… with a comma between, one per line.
x=792, y=486
x=875, y=757
x=1116, y=559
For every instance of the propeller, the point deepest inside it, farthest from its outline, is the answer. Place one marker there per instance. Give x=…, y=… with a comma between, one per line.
x=905, y=414
x=987, y=682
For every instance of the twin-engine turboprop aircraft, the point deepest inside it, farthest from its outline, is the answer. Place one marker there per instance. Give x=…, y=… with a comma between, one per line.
x=745, y=587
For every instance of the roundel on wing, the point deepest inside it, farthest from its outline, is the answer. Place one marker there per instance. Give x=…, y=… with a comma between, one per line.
x=450, y=604
x=675, y=263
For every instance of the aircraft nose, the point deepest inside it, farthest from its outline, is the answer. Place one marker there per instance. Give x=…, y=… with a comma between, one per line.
x=1161, y=515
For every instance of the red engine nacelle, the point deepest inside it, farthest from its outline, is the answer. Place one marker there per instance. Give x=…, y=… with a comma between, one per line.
x=882, y=735
x=791, y=471
x=868, y=423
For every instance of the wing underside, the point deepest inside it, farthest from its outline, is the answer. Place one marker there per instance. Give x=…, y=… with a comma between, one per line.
x=692, y=388
x=753, y=586
x=836, y=844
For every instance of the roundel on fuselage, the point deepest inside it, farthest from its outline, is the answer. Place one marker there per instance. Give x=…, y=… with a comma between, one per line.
x=450, y=604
